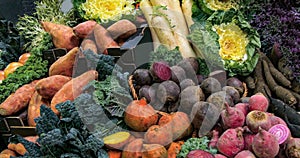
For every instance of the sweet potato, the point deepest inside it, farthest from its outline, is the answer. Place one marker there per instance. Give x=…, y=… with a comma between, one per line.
x=154, y=151
x=8, y=152
x=103, y=39
x=122, y=29
x=73, y=88
x=158, y=135
x=18, y=148
x=89, y=44
x=174, y=149
x=114, y=153
x=62, y=35
x=47, y=87
x=64, y=65
x=18, y=100
x=133, y=149
x=34, y=108
x=83, y=29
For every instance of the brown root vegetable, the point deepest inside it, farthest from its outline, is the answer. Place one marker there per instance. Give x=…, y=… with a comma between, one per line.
x=260, y=84
x=117, y=140
x=186, y=83
x=142, y=77
x=158, y=135
x=34, y=108
x=168, y=92
x=293, y=148
x=62, y=35
x=189, y=96
x=64, y=65
x=82, y=30
x=210, y=85
x=160, y=71
x=279, y=77
x=232, y=117
x=154, y=151
x=133, y=149
x=174, y=149
x=122, y=29
x=265, y=144
x=250, y=82
x=178, y=74
x=236, y=83
x=140, y=116
x=235, y=95
x=103, y=39
x=47, y=87
x=258, y=119
x=18, y=100
x=231, y=142
x=89, y=44
x=73, y=88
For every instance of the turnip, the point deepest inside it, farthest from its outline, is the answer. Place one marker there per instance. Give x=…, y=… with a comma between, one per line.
x=293, y=148
x=199, y=154
x=258, y=102
x=265, y=144
x=231, y=142
x=245, y=154
x=256, y=119
x=281, y=132
x=232, y=117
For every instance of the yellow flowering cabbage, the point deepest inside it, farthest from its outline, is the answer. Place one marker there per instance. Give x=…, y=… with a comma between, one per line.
x=221, y=4
x=233, y=42
x=107, y=10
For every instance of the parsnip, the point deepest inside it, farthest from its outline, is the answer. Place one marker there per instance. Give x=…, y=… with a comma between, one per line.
x=187, y=11
x=185, y=47
x=147, y=10
x=164, y=32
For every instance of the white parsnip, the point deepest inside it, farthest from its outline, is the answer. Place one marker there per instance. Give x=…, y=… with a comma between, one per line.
x=164, y=32
x=147, y=9
x=187, y=11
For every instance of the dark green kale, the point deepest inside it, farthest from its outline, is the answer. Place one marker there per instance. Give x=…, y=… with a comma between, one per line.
x=162, y=53
x=10, y=43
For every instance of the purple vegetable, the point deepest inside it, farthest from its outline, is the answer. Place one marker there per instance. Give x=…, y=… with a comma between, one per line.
x=160, y=71
x=199, y=154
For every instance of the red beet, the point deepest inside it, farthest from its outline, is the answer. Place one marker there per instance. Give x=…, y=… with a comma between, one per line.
x=214, y=139
x=244, y=107
x=281, y=132
x=277, y=120
x=248, y=138
x=256, y=119
x=245, y=154
x=258, y=102
x=199, y=154
x=232, y=117
x=220, y=156
x=231, y=142
x=265, y=144
x=160, y=71
x=293, y=148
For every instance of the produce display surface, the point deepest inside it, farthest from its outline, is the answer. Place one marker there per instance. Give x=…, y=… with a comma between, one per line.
x=151, y=79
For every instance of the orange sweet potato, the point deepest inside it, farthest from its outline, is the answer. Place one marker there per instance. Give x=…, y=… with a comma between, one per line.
x=47, y=87
x=8, y=152
x=174, y=149
x=122, y=29
x=73, y=88
x=89, y=44
x=64, y=65
x=103, y=39
x=18, y=148
x=133, y=149
x=83, y=29
x=34, y=108
x=62, y=35
x=114, y=153
x=18, y=100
